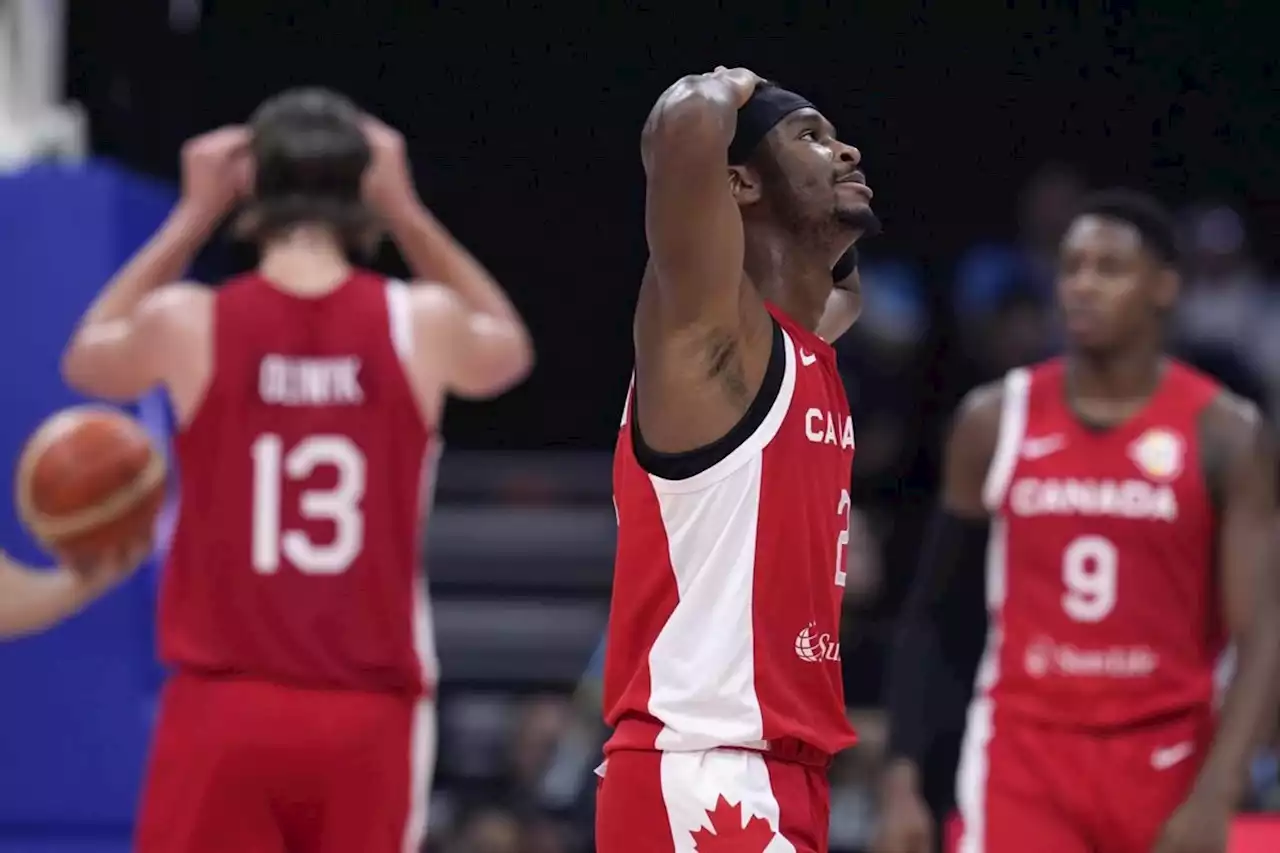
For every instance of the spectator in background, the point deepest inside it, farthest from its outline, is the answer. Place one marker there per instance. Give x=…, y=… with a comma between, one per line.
x=878, y=360
x=1264, y=787
x=489, y=829
x=1227, y=305
x=990, y=271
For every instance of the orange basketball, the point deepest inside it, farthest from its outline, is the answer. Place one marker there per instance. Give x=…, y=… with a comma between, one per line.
x=89, y=480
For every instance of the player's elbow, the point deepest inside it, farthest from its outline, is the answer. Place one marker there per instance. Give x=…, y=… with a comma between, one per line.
x=692, y=117
x=105, y=361
x=85, y=368
x=499, y=360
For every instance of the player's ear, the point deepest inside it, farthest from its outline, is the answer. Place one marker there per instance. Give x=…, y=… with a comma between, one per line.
x=744, y=183
x=1168, y=285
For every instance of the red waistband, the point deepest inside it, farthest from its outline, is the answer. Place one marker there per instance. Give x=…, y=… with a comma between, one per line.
x=641, y=734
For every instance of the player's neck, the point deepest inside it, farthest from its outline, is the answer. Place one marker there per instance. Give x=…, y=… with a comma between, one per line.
x=793, y=277
x=307, y=261
x=1120, y=376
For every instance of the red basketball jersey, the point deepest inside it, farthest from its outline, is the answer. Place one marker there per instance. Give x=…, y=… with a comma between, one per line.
x=295, y=557
x=724, y=628
x=1101, y=569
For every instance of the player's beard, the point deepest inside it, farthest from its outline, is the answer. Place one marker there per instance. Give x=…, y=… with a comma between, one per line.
x=861, y=217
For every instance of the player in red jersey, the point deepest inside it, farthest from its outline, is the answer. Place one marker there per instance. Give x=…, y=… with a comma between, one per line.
x=1132, y=506
x=308, y=393
x=731, y=479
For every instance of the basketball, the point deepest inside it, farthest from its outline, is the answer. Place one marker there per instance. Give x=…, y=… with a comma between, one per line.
x=89, y=480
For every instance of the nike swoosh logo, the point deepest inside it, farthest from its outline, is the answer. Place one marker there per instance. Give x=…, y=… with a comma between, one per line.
x=1038, y=448
x=807, y=358
x=1163, y=759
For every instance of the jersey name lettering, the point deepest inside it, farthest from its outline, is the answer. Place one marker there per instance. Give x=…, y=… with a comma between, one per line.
x=288, y=381
x=820, y=428
x=1132, y=499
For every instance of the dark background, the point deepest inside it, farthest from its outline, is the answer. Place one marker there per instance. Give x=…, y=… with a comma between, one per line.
x=523, y=123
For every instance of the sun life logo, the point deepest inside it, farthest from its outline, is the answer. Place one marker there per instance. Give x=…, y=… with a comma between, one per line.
x=815, y=647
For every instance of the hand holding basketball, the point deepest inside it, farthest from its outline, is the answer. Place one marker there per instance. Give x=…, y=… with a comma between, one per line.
x=90, y=484
x=217, y=170
x=100, y=572
x=388, y=182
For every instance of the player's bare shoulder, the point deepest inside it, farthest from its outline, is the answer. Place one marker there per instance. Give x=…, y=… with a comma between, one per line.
x=459, y=350
x=180, y=306
x=1235, y=437
x=971, y=445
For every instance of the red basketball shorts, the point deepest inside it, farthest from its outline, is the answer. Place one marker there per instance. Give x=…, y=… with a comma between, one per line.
x=260, y=768
x=728, y=800
x=1024, y=787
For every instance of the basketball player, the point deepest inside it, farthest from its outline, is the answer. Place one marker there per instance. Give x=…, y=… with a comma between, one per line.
x=731, y=478
x=1132, y=511
x=309, y=395
x=32, y=600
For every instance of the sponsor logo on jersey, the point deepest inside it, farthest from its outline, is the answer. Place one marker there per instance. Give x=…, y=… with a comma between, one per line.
x=1134, y=499
x=1158, y=453
x=1044, y=657
x=823, y=428
x=290, y=381
x=1170, y=756
x=1045, y=445
x=815, y=647
x=807, y=358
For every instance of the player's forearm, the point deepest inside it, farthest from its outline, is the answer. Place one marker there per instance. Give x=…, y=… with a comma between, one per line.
x=433, y=254
x=914, y=664
x=31, y=601
x=164, y=259
x=1248, y=713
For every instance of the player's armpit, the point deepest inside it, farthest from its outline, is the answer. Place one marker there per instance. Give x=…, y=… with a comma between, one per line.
x=970, y=448
x=471, y=354
x=121, y=359
x=1234, y=433
x=692, y=221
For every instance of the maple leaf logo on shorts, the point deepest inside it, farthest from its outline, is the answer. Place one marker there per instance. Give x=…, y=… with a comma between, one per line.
x=727, y=833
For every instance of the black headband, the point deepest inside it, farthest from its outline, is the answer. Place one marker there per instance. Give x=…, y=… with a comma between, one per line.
x=767, y=106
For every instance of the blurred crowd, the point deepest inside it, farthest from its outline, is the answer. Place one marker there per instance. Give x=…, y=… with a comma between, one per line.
x=922, y=342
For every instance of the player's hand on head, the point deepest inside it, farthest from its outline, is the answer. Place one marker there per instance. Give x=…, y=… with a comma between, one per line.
x=388, y=181
x=741, y=81
x=217, y=170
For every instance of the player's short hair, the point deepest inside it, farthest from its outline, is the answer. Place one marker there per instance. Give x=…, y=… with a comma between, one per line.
x=310, y=154
x=1152, y=220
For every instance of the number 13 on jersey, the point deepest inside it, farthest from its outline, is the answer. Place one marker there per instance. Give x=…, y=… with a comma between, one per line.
x=339, y=505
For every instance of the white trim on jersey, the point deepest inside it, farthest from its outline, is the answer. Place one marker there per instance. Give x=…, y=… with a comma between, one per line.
x=971, y=776
x=1013, y=428
x=422, y=763
x=704, y=691
x=754, y=444
x=422, y=742
x=400, y=315
x=424, y=632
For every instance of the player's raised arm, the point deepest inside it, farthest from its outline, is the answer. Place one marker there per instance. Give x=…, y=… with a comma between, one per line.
x=119, y=351
x=692, y=221
x=956, y=540
x=486, y=347
x=1239, y=445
